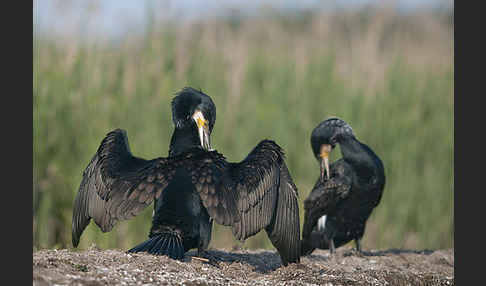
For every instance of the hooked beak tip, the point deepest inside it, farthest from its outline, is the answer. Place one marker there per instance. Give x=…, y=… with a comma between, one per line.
x=325, y=168
x=207, y=144
x=204, y=139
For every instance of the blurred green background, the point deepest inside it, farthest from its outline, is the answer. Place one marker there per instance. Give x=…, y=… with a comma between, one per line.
x=390, y=75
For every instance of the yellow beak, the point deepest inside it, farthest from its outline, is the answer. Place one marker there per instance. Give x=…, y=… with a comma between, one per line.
x=324, y=154
x=203, y=129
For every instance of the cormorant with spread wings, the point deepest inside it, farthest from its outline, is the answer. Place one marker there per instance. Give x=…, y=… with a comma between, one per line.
x=346, y=193
x=190, y=188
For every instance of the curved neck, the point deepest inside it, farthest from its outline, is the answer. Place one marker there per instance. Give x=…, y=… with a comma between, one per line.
x=183, y=139
x=360, y=156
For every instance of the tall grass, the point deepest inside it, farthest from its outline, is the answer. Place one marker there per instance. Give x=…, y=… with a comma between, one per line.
x=389, y=76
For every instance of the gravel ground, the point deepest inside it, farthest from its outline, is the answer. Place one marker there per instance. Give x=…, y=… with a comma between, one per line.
x=243, y=267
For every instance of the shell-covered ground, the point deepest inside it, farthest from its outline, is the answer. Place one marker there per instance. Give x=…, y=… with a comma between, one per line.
x=244, y=267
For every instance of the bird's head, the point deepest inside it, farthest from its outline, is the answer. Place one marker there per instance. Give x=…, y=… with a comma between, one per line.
x=324, y=139
x=193, y=108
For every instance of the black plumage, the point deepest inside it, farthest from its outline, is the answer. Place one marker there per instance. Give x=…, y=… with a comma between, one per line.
x=347, y=191
x=191, y=187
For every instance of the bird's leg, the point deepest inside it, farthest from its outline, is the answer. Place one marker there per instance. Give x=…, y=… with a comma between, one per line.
x=332, y=249
x=358, y=244
x=358, y=250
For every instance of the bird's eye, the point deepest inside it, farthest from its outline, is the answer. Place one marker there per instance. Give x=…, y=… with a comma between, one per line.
x=333, y=140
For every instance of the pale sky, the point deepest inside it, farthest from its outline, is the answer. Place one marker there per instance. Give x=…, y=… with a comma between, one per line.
x=114, y=18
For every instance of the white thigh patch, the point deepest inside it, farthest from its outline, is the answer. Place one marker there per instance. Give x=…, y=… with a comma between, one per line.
x=321, y=223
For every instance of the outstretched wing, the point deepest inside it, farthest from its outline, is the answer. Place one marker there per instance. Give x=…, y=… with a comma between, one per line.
x=255, y=194
x=116, y=185
x=254, y=183
x=325, y=196
x=284, y=230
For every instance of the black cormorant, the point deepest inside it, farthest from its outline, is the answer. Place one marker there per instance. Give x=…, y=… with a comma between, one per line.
x=191, y=187
x=346, y=192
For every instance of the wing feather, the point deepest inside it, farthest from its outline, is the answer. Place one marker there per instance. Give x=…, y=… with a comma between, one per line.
x=284, y=232
x=254, y=194
x=324, y=198
x=207, y=173
x=116, y=185
x=256, y=180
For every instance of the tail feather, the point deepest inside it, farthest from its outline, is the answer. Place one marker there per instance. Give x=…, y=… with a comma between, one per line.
x=144, y=246
x=165, y=246
x=159, y=245
x=166, y=243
